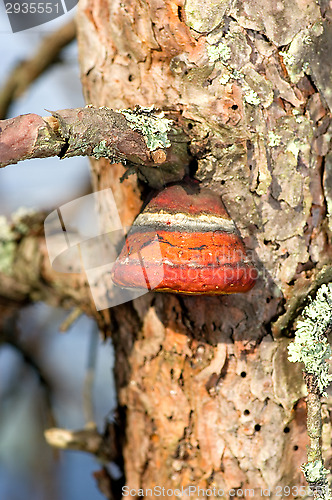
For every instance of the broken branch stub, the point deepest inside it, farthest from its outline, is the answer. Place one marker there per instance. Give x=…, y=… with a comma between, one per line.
x=27, y=136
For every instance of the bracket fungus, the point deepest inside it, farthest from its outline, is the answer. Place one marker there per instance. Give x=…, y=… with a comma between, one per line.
x=185, y=242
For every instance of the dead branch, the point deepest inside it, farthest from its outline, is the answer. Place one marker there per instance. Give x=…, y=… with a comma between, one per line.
x=142, y=137
x=29, y=70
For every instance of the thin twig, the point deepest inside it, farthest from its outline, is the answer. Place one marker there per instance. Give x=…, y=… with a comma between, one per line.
x=70, y=319
x=10, y=336
x=29, y=70
x=89, y=380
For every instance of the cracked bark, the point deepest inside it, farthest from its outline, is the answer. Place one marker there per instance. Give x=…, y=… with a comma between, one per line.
x=207, y=395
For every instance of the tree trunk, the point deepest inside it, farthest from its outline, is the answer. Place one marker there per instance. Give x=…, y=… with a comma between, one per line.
x=207, y=393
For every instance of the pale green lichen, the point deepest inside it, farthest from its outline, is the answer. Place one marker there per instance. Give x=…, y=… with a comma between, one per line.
x=6, y=233
x=22, y=212
x=204, y=17
x=313, y=471
x=7, y=245
x=10, y=233
x=289, y=59
x=19, y=216
x=7, y=252
x=220, y=52
x=310, y=345
x=257, y=89
x=237, y=75
x=294, y=147
x=274, y=139
x=316, y=475
x=224, y=79
x=250, y=96
x=306, y=67
x=100, y=150
x=153, y=126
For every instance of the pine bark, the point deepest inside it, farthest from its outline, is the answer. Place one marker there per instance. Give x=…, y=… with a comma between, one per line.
x=207, y=395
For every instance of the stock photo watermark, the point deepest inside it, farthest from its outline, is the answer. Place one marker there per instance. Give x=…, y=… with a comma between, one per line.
x=25, y=14
x=86, y=235
x=193, y=491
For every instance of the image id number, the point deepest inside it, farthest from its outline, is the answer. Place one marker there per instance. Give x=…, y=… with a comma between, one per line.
x=32, y=8
x=297, y=491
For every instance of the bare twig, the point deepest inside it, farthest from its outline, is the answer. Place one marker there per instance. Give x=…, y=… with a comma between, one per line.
x=89, y=379
x=27, y=71
x=70, y=319
x=10, y=336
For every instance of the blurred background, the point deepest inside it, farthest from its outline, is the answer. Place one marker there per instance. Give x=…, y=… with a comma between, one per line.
x=43, y=371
